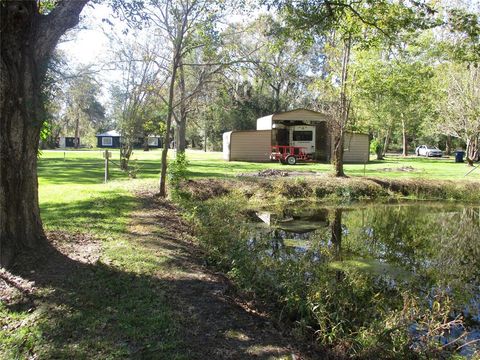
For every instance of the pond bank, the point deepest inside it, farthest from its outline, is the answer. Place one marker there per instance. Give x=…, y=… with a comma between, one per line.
x=325, y=188
x=370, y=294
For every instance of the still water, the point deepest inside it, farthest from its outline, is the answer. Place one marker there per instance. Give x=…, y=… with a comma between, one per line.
x=429, y=249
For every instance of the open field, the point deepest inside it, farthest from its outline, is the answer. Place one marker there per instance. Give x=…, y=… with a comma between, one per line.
x=86, y=167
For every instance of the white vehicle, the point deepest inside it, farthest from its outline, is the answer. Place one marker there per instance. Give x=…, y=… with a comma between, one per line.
x=304, y=136
x=425, y=150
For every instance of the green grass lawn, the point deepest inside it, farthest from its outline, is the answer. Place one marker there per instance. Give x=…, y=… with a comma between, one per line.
x=86, y=167
x=110, y=309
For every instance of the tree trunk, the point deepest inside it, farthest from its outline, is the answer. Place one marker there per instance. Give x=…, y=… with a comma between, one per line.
x=20, y=225
x=276, y=97
x=205, y=138
x=125, y=153
x=386, y=144
x=182, y=128
x=448, y=145
x=471, y=151
x=379, y=153
x=182, y=121
x=163, y=174
x=404, y=139
x=338, y=154
x=27, y=41
x=342, y=114
x=76, y=141
x=145, y=143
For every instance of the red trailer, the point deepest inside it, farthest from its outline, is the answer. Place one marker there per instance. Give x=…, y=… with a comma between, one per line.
x=289, y=154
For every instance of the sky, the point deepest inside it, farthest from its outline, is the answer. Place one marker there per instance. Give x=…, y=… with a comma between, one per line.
x=87, y=45
x=90, y=44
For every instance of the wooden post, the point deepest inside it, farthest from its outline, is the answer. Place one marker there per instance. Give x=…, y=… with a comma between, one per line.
x=106, y=155
x=64, y=156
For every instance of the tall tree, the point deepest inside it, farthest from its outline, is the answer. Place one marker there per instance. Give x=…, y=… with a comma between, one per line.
x=84, y=112
x=141, y=81
x=350, y=24
x=28, y=36
x=459, y=107
x=395, y=88
x=175, y=21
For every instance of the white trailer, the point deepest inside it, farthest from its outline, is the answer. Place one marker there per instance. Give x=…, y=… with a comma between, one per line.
x=304, y=136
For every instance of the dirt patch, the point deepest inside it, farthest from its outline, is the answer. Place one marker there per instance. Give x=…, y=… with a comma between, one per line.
x=83, y=248
x=206, y=188
x=280, y=173
x=12, y=287
x=61, y=256
x=216, y=322
x=400, y=169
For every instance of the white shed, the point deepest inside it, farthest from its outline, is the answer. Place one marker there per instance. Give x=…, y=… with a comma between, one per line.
x=250, y=145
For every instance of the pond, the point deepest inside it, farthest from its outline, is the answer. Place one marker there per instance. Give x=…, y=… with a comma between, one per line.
x=375, y=269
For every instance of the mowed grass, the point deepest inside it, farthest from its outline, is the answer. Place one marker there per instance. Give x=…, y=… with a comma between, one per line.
x=116, y=307
x=86, y=167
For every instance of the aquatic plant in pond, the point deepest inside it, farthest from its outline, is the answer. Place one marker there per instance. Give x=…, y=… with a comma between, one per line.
x=383, y=279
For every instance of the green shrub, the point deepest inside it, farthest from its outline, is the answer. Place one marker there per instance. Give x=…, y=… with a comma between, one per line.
x=360, y=312
x=177, y=171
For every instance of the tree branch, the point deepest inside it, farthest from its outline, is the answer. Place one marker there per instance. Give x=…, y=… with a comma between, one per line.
x=52, y=26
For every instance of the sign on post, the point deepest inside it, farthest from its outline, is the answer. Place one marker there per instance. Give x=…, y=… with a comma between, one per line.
x=106, y=155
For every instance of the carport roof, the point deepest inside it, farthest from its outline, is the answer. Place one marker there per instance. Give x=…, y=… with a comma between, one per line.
x=265, y=122
x=113, y=133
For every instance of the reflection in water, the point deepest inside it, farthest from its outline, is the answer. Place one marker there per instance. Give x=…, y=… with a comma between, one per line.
x=428, y=248
x=336, y=226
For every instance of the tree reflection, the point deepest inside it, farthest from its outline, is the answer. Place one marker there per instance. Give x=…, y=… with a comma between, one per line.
x=336, y=231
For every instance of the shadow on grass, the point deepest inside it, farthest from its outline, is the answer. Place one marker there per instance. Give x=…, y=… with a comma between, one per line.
x=119, y=306
x=76, y=171
x=93, y=311
x=96, y=311
x=104, y=214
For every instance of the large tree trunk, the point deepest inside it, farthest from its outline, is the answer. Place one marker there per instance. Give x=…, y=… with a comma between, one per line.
x=20, y=224
x=27, y=40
